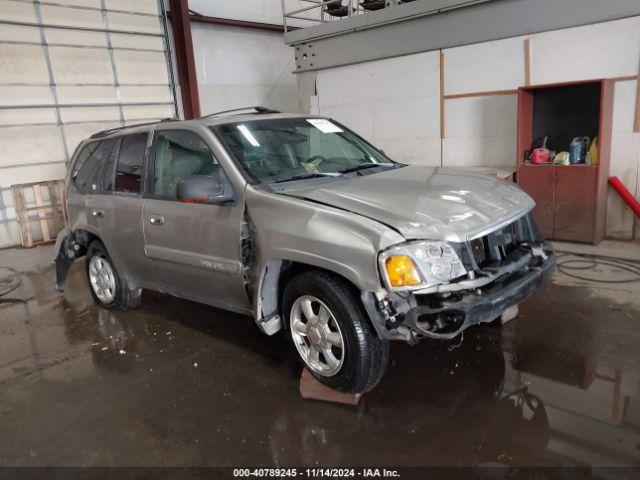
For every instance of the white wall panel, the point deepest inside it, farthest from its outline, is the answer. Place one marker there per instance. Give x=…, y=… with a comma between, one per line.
x=15, y=33
x=22, y=64
x=393, y=103
x=133, y=23
x=604, y=50
x=24, y=174
x=86, y=94
x=480, y=131
x=148, y=112
x=25, y=95
x=140, y=6
x=121, y=40
x=80, y=3
x=87, y=114
x=485, y=67
x=17, y=11
x=141, y=67
x=239, y=67
x=29, y=144
x=80, y=65
x=23, y=116
x=625, y=161
x=75, y=37
x=71, y=17
x=146, y=94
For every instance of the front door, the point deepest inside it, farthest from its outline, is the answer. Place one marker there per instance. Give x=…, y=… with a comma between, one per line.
x=192, y=250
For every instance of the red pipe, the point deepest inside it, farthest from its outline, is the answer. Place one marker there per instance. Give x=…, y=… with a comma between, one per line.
x=625, y=194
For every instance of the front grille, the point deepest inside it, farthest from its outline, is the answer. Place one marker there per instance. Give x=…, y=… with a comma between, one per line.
x=494, y=246
x=477, y=249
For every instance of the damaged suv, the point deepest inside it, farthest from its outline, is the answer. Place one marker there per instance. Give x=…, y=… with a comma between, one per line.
x=300, y=223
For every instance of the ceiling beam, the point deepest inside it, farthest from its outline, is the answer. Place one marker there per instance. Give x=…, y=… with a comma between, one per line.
x=428, y=25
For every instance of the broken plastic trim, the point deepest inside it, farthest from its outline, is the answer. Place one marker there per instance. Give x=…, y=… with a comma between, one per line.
x=68, y=249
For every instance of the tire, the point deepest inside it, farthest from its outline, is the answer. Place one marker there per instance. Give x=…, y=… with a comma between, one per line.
x=122, y=297
x=363, y=359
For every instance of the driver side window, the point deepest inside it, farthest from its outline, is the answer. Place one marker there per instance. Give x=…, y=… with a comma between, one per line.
x=180, y=154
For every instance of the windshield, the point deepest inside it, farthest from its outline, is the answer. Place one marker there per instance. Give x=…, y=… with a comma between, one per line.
x=280, y=150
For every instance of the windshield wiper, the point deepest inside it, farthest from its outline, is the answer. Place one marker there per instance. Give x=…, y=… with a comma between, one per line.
x=304, y=176
x=363, y=166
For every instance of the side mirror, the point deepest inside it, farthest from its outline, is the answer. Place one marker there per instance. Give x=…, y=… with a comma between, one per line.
x=201, y=189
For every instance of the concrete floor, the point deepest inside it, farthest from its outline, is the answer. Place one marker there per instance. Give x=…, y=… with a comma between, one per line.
x=177, y=383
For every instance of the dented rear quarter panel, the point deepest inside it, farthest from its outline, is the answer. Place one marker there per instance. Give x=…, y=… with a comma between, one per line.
x=318, y=235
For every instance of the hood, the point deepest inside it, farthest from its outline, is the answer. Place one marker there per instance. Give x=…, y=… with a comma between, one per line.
x=432, y=203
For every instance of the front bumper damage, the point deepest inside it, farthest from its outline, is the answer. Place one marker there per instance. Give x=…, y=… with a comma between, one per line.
x=444, y=312
x=478, y=306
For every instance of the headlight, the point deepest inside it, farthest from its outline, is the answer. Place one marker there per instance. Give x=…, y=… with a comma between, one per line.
x=415, y=265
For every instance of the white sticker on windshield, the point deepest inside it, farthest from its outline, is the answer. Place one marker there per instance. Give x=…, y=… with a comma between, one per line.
x=325, y=126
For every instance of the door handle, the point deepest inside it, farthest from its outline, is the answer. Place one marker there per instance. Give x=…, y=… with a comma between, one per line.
x=156, y=219
x=98, y=212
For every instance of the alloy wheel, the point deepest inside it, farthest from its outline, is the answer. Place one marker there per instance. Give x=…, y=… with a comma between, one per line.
x=102, y=279
x=317, y=336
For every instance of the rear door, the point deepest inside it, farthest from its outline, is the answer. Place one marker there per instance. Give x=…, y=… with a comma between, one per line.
x=84, y=182
x=117, y=214
x=192, y=250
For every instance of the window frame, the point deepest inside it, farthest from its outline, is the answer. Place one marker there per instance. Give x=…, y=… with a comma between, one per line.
x=99, y=175
x=116, y=153
x=151, y=167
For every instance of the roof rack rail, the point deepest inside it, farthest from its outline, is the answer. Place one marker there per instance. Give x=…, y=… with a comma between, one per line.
x=103, y=133
x=257, y=109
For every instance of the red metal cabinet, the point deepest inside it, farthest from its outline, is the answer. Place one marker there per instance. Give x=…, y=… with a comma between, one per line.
x=570, y=200
x=574, y=206
x=539, y=182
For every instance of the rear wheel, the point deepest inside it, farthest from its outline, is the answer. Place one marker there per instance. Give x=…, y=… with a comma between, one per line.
x=107, y=288
x=331, y=333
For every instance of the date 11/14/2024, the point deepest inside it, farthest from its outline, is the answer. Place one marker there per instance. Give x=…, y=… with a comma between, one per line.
x=316, y=473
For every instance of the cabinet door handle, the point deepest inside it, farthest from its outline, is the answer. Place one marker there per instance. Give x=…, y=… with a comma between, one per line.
x=156, y=219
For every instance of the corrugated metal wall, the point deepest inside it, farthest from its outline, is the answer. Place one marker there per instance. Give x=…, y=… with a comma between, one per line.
x=69, y=68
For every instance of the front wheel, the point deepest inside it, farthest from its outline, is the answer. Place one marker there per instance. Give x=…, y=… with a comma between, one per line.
x=331, y=333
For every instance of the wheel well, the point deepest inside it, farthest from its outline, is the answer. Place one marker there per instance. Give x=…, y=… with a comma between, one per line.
x=84, y=238
x=274, y=280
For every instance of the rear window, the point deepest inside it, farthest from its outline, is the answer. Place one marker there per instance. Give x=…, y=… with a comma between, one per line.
x=90, y=161
x=128, y=175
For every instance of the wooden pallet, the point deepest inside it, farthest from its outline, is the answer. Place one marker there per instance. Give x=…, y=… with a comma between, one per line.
x=39, y=211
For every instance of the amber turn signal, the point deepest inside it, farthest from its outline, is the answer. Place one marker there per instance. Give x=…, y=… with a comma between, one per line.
x=401, y=271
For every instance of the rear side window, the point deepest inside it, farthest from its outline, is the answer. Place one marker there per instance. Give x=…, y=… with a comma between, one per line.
x=128, y=177
x=88, y=166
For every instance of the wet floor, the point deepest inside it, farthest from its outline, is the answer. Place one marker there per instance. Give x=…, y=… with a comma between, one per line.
x=177, y=383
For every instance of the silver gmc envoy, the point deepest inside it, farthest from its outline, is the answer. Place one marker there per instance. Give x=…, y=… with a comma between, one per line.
x=300, y=223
